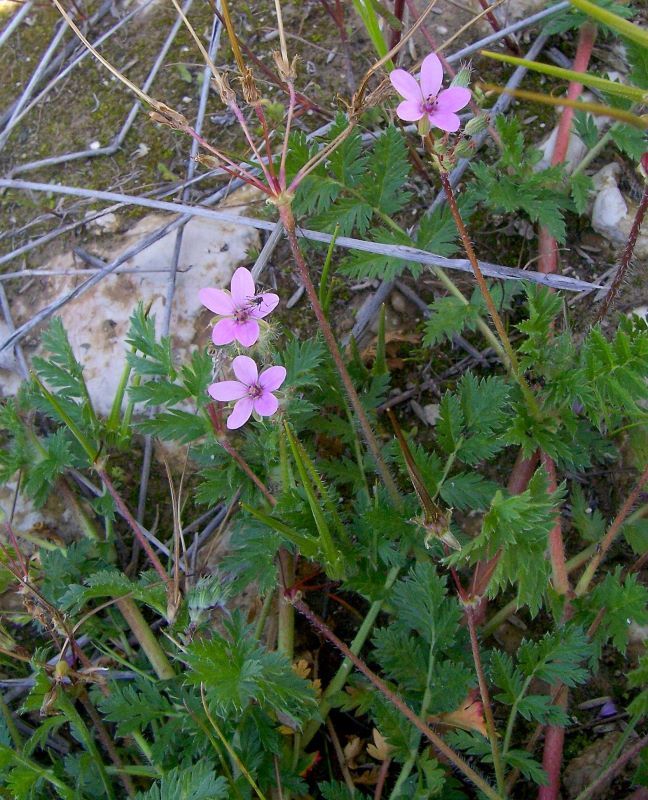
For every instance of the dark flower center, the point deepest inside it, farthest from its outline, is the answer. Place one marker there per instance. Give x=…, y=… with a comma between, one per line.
x=255, y=391
x=430, y=105
x=242, y=314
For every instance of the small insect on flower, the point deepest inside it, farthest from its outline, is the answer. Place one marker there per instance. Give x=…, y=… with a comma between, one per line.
x=241, y=308
x=253, y=392
x=425, y=100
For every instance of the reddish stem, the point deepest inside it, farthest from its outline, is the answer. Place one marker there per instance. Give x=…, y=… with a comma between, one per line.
x=626, y=257
x=556, y=545
x=492, y=19
x=399, y=8
x=126, y=514
x=396, y=701
x=547, y=247
x=234, y=453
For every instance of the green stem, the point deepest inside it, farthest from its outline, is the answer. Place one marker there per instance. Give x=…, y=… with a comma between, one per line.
x=46, y=774
x=408, y=766
x=11, y=724
x=594, y=151
x=263, y=615
x=511, y=720
x=340, y=677
x=146, y=638
x=76, y=721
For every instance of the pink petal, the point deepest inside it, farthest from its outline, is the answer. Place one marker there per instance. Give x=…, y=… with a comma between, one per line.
x=217, y=300
x=272, y=378
x=241, y=413
x=247, y=332
x=225, y=331
x=431, y=75
x=445, y=120
x=266, y=405
x=245, y=370
x=268, y=304
x=227, y=390
x=410, y=110
x=453, y=99
x=242, y=287
x=405, y=84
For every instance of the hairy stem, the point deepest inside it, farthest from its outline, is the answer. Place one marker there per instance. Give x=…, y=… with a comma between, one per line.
x=614, y=769
x=126, y=514
x=345, y=667
x=610, y=536
x=556, y=544
x=486, y=701
x=396, y=701
x=372, y=443
x=488, y=298
x=626, y=257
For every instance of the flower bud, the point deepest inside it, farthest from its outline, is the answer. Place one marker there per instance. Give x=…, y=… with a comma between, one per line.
x=476, y=125
x=463, y=149
x=221, y=84
x=424, y=125
x=462, y=78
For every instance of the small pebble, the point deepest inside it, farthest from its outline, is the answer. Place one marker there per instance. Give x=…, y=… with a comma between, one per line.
x=94, y=145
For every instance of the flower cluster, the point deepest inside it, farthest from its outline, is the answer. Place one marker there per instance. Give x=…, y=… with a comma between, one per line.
x=240, y=310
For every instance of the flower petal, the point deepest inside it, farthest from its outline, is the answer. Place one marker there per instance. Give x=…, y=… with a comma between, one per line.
x=410, y=110
x=445, y=120
x=241, y=413
x=217, y=300
x=268, y=304
x=242, y=287
x=272, y=378
x=245, y=369
x=247, y=332
x=405, y=84
x=266, y=405
x=227, y=390
x=224, y=331
x=431, y=75
x=453, y=99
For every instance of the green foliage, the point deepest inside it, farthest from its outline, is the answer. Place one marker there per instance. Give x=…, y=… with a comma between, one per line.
x=195, y=782
x=517, y=527
x=624, y=600
x=237, y=670
x=514, y=184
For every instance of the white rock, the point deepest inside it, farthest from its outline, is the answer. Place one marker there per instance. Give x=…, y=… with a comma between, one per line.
x=94, y=145
x=613, y=214
x=97, y=321
x=432, y=413
x=106, y=223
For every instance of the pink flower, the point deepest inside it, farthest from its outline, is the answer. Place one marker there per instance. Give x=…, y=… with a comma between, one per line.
x=240, y=308
x=253, y=392
x=426, y=98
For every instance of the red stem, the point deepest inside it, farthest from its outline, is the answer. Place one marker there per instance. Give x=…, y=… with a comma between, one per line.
x=399, y=7
x=547, y=247
x=126, y=514
x=396, y=701
x=626, y=257
x=556, y=545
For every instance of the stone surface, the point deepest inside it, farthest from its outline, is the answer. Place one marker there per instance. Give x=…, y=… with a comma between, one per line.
x=613, y=213
x=97, y=321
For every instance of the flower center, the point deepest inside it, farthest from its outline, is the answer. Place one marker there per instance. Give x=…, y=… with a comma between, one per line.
x=242, y=314
x=255, y=391
x=430, y=105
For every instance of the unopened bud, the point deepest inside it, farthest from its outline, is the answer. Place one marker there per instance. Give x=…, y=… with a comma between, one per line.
x=424, y=125
x=287, y=70
x=168, y=116
x=250, y=92
x=476, y=125
x=221, y=84
x=462, y=78
x=463, y=149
